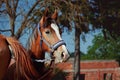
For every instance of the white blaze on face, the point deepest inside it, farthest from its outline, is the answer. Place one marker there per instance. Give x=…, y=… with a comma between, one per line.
x=56, y=29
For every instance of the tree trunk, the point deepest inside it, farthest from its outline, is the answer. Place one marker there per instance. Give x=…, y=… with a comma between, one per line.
x=77, y=55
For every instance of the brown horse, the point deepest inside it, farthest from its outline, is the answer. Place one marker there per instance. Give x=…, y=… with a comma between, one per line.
x=21, y=58
x=45, y=38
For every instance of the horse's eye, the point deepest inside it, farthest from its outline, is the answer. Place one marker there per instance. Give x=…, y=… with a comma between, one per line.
x=47, y=32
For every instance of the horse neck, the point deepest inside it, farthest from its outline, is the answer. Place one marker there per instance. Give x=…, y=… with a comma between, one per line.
x=34, y=47
x=35, y=50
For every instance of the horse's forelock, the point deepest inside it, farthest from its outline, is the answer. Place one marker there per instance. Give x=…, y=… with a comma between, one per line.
x=48, y=22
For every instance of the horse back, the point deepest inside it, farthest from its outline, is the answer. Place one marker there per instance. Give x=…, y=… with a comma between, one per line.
x=4, y=56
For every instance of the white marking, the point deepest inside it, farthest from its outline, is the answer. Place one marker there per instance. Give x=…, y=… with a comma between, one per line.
x=56, y=29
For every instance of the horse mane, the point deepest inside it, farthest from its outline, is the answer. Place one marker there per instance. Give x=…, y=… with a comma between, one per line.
x=24, y=68
x=31, y=39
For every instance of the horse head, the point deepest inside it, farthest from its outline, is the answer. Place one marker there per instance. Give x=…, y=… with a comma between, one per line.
x=49, y=38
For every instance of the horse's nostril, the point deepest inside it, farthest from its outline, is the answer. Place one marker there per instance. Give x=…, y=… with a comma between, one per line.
x=62, y=55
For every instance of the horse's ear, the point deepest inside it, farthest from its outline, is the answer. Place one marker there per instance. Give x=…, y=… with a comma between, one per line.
x=42, y=20
x=55, y=15
x=46, y=12
x=44, y=16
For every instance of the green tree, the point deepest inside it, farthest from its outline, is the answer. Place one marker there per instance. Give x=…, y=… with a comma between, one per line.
x=105, y=14
x=104, y=49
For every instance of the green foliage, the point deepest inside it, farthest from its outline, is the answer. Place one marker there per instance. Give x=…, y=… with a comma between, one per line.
x=103, y=49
